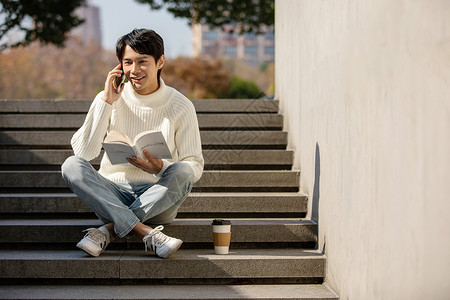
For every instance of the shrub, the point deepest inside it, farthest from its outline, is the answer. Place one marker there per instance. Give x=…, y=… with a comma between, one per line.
x=240, y=88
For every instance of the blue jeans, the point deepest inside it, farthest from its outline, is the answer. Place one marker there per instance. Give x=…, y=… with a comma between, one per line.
x=126, y=204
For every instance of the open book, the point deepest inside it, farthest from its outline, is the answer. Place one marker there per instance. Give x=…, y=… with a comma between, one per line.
x=119, y=147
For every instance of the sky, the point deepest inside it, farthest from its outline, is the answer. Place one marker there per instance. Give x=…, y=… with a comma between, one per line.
x=119, y=17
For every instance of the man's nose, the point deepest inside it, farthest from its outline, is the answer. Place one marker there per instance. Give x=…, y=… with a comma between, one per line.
x=134, y=68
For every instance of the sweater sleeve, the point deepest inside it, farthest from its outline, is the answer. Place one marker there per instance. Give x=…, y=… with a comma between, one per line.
x=188, y=143
x=87, y=141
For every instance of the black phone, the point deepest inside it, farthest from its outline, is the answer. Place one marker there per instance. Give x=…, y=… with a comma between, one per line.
x=118, y=82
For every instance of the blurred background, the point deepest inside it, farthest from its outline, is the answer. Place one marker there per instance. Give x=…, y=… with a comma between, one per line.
x=64, y=49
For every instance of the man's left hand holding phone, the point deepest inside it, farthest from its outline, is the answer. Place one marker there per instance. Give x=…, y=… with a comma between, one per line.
x=114, y=85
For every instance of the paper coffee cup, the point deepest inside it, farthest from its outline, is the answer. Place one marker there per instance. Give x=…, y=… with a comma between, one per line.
x=222, y=236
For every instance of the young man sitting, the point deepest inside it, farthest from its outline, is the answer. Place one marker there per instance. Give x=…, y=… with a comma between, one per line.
x=130, y=197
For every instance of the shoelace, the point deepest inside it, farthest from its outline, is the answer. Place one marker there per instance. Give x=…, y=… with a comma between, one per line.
x=156, y=237
x=97, y=236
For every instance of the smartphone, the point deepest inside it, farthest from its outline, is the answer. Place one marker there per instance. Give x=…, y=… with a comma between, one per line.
x=118, y=82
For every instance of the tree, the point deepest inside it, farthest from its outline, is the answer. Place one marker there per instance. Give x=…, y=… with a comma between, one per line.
x=197, y=78
x=241, y=88
x=47, y=21
x=204, y=79
x=263, y=74
x=248, y=15
x=48, y=72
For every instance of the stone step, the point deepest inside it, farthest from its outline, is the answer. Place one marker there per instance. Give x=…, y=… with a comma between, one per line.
x=206, y=121
x=186, y=265
x=217, y=139
x=197, y=231
x=211, y=204
x=250, y=181
x=82, y=106
x=219, y=158
x=272, y=249
x=179, y=292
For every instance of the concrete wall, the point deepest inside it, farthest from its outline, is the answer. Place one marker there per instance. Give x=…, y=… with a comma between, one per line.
x=365, y=90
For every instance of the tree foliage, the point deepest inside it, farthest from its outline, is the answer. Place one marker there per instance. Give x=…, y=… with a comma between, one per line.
x=48, y=72
x=47, y=21
x=248, y=15
x=263, y=75
x=205, y=79
x=197, y=78
x=243, y=89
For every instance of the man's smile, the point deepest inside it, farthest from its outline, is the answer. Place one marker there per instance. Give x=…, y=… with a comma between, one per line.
x=137, y=79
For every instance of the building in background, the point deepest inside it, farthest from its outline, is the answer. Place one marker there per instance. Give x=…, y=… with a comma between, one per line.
x=228, y=43
x=90, y=31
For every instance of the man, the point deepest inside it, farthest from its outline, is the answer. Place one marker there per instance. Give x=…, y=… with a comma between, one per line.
x=128, y=197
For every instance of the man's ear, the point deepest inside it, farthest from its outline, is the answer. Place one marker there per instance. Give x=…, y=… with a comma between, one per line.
x=161, y=62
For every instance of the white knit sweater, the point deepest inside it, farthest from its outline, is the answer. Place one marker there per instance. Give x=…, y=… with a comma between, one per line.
x=166, y=110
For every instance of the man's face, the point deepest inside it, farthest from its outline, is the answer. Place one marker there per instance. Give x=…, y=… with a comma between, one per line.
x=141, y=70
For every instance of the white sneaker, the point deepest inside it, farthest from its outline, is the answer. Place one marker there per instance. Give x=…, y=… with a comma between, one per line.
x=163, y=245
x=95, y=241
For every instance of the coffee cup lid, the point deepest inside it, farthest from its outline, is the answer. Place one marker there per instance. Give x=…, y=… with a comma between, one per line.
x=221, y=222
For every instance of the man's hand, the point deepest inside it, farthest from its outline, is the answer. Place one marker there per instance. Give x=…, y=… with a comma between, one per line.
x=110, y=96
x=150, y=164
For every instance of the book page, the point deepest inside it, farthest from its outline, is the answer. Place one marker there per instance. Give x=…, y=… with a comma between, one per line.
x=154, y=142
x=118, y=152
x=117, y=137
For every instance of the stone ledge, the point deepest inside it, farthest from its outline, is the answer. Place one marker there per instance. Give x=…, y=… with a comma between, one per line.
x=187, y=292
x=189, y=230
x=209, y=179
x=135, y=264
x=195, y=203
x=82, y=106
x=239, y=139
x=205, y=121
x=218, y=158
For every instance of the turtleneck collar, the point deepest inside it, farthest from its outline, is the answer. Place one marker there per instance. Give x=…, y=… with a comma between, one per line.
x=153, y=100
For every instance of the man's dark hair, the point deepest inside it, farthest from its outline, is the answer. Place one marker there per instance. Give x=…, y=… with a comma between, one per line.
x=142, y=41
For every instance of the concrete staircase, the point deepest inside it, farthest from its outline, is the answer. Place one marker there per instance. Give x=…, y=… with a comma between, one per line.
x=248, y=179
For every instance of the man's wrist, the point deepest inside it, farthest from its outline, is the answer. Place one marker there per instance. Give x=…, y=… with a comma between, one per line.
x=165, y=165
x=106, y=100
